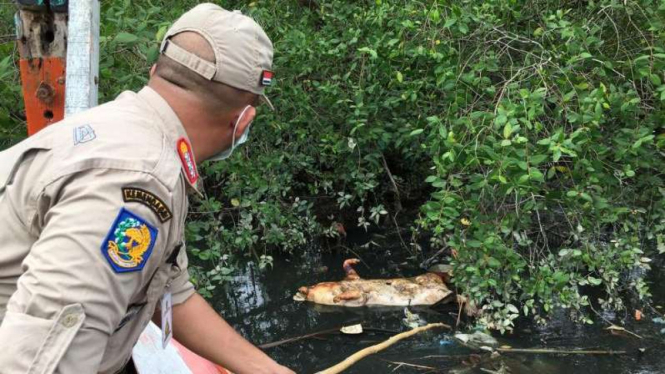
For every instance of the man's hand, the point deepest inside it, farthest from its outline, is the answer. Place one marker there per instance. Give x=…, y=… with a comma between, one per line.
x=198, y=327
x=284, y=370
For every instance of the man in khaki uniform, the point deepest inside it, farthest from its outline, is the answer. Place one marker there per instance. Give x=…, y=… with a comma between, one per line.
x=92, y=209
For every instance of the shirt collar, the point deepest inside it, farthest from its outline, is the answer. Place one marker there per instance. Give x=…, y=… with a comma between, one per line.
x=176, y=135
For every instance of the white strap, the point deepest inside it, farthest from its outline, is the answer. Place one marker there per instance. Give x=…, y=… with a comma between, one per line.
x=203, y=67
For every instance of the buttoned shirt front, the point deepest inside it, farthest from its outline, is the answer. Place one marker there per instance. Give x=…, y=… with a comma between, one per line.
x=92, y=213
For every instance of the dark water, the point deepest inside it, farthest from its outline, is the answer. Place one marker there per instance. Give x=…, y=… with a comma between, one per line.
x=260, y=306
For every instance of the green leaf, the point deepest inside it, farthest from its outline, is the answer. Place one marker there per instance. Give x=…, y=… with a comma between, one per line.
x=400, y=78
x=655, y=80
x=507, y=130
x=512, y=308
x=125, y=38
x=594, y=281
x=159, y=35
x=416, y=132
x=369, y=51
x=152, y=54
x=474, y=243
x=537, y=159
x=435, y=16
x=560, y=277
x=500, y=119
x=493, y=262
x=536, y=175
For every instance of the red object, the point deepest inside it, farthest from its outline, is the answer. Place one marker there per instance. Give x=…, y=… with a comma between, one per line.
x=187, y=160
x=266, y=77
x=41, y=38
x=43, y=82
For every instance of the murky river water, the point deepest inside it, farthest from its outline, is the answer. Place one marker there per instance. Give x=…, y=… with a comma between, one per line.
x=260, y=306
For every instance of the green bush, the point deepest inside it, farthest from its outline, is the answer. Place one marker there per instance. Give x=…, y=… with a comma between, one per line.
x=12, y=123
x=529, y=134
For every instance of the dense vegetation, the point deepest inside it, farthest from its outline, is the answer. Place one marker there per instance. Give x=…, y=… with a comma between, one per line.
x=529, y=134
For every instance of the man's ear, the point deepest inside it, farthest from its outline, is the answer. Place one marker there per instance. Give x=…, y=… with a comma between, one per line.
x=246, y=119
x=152, y=69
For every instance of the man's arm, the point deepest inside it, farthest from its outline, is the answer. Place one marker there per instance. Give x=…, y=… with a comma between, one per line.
x=198, y=327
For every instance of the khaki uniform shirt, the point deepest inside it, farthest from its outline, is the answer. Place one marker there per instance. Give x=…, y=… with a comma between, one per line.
x=92, y=213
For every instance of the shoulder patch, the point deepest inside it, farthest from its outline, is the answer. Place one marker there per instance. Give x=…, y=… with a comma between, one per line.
x=187, y=160
x=138, y=195
x=129, y=243
x=83, y=134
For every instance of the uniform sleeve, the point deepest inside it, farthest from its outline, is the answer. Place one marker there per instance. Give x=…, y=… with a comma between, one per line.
x=181, y=287
x=94, y=254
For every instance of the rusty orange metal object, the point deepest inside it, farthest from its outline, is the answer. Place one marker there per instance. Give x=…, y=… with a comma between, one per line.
x=43, y=81
x=42, y=41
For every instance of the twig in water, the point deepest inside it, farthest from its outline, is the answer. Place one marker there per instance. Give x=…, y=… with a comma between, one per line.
x=400, y=364
x=294, y=339
x=377, y=348
x=462, y=356
x=615, y=328
x=459, y=315
x=310, y=335
x=557, y=351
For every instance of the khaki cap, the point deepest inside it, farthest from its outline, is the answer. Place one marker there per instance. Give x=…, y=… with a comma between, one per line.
x=243, y=51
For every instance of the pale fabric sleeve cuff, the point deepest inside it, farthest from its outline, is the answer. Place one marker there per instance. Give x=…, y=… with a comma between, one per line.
x=183, y=292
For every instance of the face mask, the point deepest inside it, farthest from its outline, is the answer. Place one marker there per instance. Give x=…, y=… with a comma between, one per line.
x=243, y=138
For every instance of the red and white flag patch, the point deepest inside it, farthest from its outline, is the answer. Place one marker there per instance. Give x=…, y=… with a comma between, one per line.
x=266, y=77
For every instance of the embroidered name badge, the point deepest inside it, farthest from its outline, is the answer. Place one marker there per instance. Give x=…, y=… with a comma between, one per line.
x=187, y=159
x=266, y=77
x=83, y=134
x=138, y=195
x=129, y=242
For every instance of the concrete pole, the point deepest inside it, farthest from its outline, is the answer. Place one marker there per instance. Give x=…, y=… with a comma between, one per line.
x=82, y=56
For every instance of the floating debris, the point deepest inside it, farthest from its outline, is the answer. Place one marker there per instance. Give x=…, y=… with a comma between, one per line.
x=446, y=341
x=477, y=340
x=352, y=330
x=412, y=320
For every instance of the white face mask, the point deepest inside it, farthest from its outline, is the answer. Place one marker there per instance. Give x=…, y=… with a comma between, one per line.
x=243, y=138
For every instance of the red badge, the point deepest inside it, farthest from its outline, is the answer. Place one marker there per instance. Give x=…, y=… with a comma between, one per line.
x=266, y=77
x=187, y=159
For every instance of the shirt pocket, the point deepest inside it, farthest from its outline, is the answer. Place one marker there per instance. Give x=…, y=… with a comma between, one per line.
x=50, y=340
